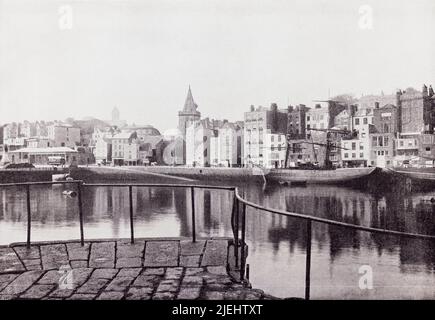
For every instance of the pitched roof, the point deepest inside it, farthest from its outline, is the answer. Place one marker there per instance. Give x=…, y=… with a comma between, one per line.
x=189, y=104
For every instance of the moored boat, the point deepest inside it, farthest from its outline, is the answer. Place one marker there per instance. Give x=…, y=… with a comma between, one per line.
x=333, y=176
x=419, y=174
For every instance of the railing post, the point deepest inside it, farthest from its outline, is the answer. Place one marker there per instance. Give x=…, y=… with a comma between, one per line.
x=236, y=240
x=242, y=258
x=130, y=196
x=308, y=262
x=79, y=198
x=29, y=215
x=192, y=196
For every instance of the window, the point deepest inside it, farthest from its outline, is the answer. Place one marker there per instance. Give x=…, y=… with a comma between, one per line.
x=365, y=121
x=279, y=147
x=272, y=138
x=380, y=142
x=361, y=155
x=386, y=141
x=361, y=147
x=357, y=121
x=353, y=155
x=279, y=138
x=353, y=146
x=374, y=141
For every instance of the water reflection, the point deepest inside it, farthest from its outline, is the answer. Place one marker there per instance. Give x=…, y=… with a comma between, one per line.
x=402, y=268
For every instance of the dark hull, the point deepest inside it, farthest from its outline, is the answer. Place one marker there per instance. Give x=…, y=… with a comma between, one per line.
x=337, y=176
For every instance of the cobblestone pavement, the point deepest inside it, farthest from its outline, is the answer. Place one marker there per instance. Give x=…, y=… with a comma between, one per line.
x=115, y=270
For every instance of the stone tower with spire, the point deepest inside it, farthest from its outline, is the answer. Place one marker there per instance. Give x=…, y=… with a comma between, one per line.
x=187, y=116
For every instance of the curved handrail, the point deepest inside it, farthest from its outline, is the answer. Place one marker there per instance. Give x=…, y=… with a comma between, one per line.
x=331, y=222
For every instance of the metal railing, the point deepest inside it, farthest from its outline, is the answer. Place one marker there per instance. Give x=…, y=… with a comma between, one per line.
x=238, y=218
x=309, y=219
x=80, y=185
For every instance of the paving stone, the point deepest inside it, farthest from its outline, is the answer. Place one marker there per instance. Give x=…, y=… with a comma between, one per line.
x=128, y=250
x=173, y=273
x=214, y=295
x=79, y=276
x=215, y=253
x=190, y=261
x=190, y=293
x=9, y=261
x=32, y=264
x=78, y=264
x=27, y=253
x=161, y=254
x=146, y=281
x=192, y=281
x=129, y=272
x=113, y=295
x=7, y=297
x=37, y=291
x=252, y=296
x=50, y=277
x=168, y=286
x=163, y=296
x=139, y=293
x=77, y=252
x=219, y=270
x=192, y=248
x=119, y=283
x=102, y=255
x=193, y=271
x=54, y=256
x=104, y=273
x=155, y=271
x=233, y=295
x=5, y=279
x=22, y=283
x=82, y=296
x=128, y=262
x=93, y=285
x=61, y=293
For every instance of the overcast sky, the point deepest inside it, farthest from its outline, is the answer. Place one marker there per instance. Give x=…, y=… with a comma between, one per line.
x=142, y=55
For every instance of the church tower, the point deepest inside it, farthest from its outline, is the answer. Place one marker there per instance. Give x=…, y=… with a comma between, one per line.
x=186, y=117
x=189, y=114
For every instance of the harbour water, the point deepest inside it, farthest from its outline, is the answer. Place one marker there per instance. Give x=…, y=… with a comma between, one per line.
x=401, y=268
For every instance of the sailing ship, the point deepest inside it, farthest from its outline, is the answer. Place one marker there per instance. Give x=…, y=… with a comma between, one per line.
x=315, y=174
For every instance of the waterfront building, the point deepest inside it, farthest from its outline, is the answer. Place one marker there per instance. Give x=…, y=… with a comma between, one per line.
x=14, y=143
x=40, y=156
x=260, y=124
x=197, y=142
x=10, y=131
x=125, y=149
x=103, y=150
x=38, y=142
x=151, y=149
x=407, y=147
x=27, y=129
x=186, y=118
x=361, y=121
x=417, y=110
x=355, y=152
x=64, y=135
x=226, y=146
x=386, y=121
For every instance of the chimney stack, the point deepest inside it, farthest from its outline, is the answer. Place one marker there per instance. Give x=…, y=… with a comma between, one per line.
x=431, y=92
x=424, y=90
x=252, y=107
x=377, y=105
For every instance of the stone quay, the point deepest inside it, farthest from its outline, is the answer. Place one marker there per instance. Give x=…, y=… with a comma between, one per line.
x=149, y=269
